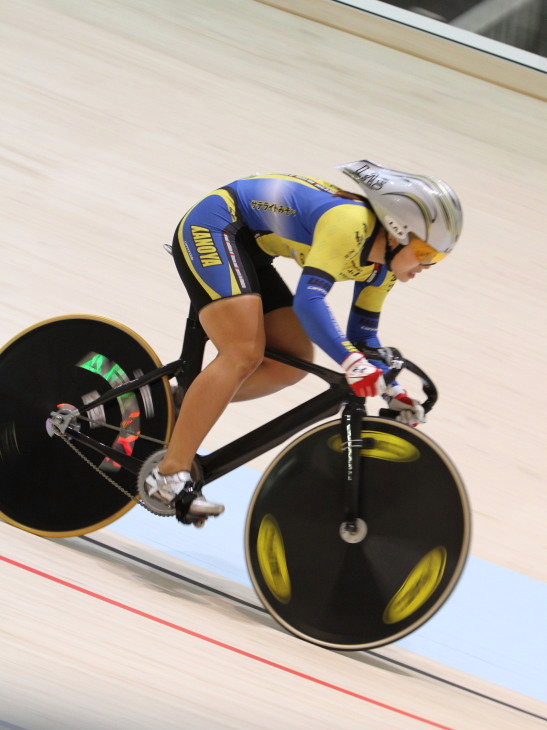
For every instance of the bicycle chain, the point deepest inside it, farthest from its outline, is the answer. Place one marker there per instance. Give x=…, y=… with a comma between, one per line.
x=111, y=481
x=126, y=431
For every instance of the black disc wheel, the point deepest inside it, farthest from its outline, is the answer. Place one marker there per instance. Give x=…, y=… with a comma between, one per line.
x=45, y=487
x=360, y=588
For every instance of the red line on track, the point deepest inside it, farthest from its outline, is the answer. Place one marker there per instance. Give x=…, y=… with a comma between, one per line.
x=221, y=644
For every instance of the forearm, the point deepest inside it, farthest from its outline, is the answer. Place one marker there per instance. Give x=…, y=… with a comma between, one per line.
x=317, y=317
x=363, y=327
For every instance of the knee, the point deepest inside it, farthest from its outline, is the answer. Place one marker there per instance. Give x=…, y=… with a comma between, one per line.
x=305, y=350
x=243, y=358
x=289, y=376
x=286, y=375
x=302, y=349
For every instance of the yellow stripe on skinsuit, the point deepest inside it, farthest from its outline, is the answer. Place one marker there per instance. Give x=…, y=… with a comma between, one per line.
x=275, y=245
x=310, y=182
x=211, y=292
x=228, y=199
x=230, y=202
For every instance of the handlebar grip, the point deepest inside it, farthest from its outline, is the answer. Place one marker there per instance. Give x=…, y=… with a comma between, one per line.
x=392, y=356
x=388, y=413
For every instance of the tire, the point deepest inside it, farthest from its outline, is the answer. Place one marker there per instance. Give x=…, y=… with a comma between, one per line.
x=358, y=595
x=45, y=487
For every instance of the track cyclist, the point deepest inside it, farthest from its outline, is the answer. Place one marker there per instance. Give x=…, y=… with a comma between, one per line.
x=224, y=249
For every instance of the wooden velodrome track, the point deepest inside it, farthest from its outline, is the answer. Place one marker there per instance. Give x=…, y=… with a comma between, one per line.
x=116, y=117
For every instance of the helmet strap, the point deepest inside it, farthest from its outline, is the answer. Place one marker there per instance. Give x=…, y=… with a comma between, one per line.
x=390, y=253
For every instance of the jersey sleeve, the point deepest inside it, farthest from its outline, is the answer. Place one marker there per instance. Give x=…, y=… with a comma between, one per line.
x=316, y=315
x=364, y=316
x=339, y=236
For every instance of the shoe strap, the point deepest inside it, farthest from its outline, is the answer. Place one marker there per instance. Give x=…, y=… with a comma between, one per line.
x=177, y=477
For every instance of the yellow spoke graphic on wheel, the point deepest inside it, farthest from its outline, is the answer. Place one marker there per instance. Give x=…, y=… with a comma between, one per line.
x=272, y=560
x=420, y=584
x=380, y=445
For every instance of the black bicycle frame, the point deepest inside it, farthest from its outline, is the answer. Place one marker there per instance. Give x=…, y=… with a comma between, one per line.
x=260, y=440
x=268, y=436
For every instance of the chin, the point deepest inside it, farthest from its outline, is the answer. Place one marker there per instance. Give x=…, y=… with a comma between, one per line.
x=404, y=276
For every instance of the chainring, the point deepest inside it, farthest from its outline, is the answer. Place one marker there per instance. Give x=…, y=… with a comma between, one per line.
x=157, y=506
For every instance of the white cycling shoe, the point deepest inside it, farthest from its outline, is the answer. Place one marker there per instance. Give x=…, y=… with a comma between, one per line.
x=167, y=487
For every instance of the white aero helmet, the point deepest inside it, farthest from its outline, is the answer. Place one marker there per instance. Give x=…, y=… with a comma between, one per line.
x=409, y=204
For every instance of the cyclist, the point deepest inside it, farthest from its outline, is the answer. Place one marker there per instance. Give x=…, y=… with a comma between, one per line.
x=224, y=249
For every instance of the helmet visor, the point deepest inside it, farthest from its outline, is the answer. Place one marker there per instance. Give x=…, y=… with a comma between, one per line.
x=425, y=253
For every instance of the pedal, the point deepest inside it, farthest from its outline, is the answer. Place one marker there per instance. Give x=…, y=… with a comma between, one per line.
x=158, y=506
x=188, y=519
x=199, y=521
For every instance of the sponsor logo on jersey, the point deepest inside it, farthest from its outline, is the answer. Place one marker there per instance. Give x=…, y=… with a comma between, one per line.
x=318, y=284
x=273, y=207
x=207, y=251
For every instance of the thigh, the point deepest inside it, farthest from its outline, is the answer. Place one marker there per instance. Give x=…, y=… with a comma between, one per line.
x=236, y=325
x=284, y=332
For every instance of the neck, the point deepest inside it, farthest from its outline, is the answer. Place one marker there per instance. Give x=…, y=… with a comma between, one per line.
x=378, y=251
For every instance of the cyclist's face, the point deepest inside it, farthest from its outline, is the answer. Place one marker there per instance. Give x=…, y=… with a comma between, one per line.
x=406, y=265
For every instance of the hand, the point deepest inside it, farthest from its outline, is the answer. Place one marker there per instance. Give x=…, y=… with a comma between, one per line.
x=365, y=378
x=410, y=411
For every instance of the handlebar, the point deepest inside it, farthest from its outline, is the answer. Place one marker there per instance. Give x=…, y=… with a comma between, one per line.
x=395, y=361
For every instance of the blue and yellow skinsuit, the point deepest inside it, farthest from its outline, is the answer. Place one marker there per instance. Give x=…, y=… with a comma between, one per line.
x=225, y=246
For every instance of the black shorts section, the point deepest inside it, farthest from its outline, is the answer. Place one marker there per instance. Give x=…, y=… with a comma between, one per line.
x=275, y=293
x=258, y=266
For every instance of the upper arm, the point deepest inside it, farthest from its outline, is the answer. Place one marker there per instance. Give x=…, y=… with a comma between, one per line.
x=371, y=298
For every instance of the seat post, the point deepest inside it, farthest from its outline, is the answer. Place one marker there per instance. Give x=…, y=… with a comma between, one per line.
x=193, y=349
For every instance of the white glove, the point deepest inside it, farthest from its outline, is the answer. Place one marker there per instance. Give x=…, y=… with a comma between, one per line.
x=410, y=411
x=365, y=379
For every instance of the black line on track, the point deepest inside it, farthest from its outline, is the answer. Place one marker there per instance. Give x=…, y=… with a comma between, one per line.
x=248, y=604
x=173, y=574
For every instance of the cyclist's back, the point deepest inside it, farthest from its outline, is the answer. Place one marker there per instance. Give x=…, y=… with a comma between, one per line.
x=280, y=209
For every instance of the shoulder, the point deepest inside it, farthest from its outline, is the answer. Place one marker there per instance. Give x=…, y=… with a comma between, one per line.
x=348, y=215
